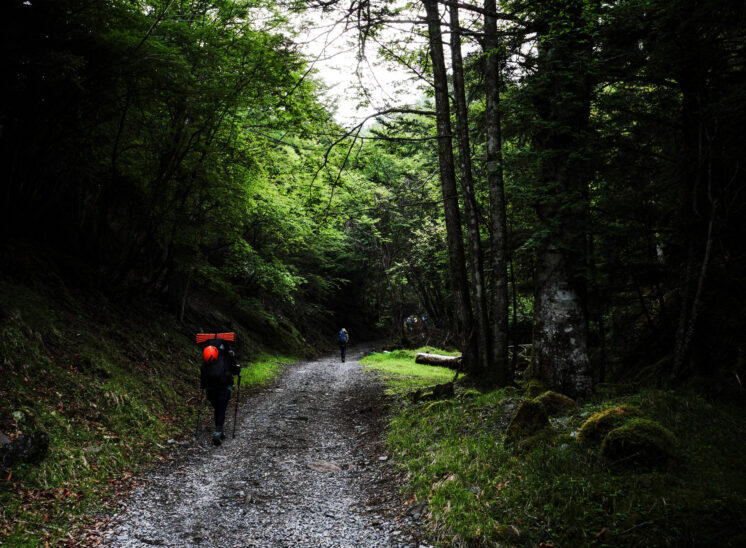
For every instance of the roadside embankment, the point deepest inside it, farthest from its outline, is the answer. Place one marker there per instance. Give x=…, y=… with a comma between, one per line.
x=527, y=467
x=91, y=390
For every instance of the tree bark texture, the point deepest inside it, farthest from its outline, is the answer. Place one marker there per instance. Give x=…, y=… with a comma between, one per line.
x=498, y=225
x=481, y=329
x=560, y=329
x=456, y=257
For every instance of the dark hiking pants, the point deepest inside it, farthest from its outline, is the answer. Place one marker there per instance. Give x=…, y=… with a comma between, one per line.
x=343, y=350
x=219, y=397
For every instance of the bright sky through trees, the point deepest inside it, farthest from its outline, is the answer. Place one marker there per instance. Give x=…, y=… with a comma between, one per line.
x=359, y=83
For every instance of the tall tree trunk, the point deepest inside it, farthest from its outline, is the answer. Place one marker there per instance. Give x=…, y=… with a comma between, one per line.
x=481, y=332
x=461, y=301
x=498, y=229
x=514, y=357
x=562, y=98
x=696, y=220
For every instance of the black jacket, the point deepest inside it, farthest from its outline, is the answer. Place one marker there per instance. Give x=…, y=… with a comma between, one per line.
x=220, y=373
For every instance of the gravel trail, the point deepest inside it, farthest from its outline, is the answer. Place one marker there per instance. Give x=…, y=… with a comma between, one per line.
x=307, y=468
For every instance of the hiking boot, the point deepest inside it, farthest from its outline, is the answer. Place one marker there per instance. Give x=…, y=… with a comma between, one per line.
x=222, y=435
x=217, y=438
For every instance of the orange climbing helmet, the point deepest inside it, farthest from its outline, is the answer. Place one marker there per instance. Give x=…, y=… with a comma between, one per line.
x=210, y=353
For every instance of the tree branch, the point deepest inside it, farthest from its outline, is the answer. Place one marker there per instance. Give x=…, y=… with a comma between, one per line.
x=482, y=11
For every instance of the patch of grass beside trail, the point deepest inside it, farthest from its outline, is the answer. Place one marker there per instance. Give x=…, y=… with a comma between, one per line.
x=402, y=374
x=481, y=491
x=264, y=369
x=109, y=385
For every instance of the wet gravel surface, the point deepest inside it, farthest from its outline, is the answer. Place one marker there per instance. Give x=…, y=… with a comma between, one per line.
x=307, y=468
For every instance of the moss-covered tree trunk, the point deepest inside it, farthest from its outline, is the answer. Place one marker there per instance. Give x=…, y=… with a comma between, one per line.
x=561, y=97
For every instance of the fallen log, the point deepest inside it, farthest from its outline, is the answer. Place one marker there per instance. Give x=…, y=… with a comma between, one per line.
x=454, y=362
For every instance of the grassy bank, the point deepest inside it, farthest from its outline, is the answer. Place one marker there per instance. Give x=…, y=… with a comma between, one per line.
x=482, y=491
x=110, y=384
x=400, y=372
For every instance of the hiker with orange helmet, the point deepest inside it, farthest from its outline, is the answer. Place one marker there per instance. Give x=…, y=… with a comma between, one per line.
x=216, y=378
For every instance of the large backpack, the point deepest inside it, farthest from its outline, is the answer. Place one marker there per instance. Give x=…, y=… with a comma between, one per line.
x=219, y=372
x=343, y=337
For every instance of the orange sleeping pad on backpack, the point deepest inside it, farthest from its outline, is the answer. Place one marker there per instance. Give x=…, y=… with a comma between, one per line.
x=202, y=337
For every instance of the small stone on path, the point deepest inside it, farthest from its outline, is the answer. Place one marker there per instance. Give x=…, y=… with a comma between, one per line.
x=324, y=466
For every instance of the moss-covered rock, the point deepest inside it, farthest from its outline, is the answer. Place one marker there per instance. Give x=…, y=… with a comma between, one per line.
x=544, y=437
x=469, y=394
x=508, y=532
x=555, y=403
x=639, y=442
x=421, y=395
x=444, y=391
x=437, y=406
x=535, y=388
x=599, y=424
x=438, y=392
x=529, y=419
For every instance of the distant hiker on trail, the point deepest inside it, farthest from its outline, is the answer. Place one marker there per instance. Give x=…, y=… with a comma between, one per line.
x=216, y=378
x=344, y=337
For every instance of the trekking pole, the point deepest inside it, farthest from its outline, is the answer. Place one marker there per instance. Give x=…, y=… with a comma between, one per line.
x=199, y=410
x=235, y=412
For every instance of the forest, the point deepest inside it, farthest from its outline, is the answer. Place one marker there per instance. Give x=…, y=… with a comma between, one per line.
x=560, y=204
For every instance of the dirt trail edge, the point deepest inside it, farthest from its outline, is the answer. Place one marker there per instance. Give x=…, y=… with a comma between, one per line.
x=307, y=468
